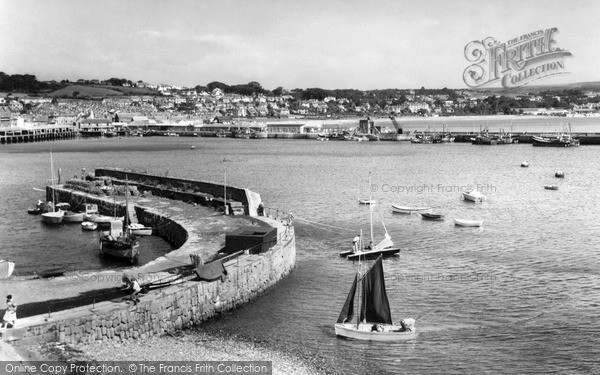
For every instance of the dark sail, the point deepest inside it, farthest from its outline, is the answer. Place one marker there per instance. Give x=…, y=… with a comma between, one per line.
x=348, y=309
x=375, y=305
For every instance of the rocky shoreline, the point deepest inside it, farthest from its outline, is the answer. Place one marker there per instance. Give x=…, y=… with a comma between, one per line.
x=188, y=345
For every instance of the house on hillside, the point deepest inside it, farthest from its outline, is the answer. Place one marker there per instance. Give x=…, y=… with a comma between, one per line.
x=5, y=116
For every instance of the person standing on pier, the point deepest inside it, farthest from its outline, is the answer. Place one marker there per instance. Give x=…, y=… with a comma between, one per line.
x=10, y=315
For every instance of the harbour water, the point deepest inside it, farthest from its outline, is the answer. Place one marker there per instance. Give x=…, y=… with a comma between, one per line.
x=519, y=295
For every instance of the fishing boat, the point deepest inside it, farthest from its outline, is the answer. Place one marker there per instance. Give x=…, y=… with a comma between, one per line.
x=430, y=216
x=54, y=216
x=91, y=212
x=551, y=187
x=6, y=268
x=119, y=242
x=408, y=209
x=556, y=140
x=473, y=196
x=384, y=247
x=89, y=225
x=468, y=223
x=139, y=229
x=374, y=321
x=525, y=164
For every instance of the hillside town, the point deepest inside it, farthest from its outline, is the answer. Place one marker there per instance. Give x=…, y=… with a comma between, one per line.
x=171, y=108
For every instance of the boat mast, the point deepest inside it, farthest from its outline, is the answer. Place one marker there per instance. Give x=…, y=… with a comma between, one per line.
x=370, y=208
x=52, y=183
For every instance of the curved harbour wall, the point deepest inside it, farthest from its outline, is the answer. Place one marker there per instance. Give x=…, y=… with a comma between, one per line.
x=170, y=308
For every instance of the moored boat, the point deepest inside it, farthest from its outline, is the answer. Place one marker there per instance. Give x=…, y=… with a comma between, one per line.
x=468, y=223
x=562, y=140
x=551, y=187
x=374, y=322
x=91, y=212
x=430, y=216
x=408, y=209
x=73, y=217
x=54, y=216
x=89, y=225
x=139, y=229
x=119, y=242
x=473, y=196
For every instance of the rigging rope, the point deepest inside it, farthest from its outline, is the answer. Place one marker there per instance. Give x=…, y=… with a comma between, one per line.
x=315, y=223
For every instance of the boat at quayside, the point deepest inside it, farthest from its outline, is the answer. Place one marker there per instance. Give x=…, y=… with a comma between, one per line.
x=563, y=140
x=117, y=242
x=54, y=216
x=374, y=322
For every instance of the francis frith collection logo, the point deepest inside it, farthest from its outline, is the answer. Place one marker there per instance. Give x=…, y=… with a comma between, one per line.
x=516, y=62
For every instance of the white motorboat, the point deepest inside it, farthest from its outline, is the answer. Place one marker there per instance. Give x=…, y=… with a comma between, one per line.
x=473, y=196
x=89, y=225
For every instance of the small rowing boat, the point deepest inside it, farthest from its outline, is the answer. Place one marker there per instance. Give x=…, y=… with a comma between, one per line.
x=408, y=209
x=468, y=223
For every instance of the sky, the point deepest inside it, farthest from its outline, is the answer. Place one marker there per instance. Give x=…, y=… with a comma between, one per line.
x=331, y=44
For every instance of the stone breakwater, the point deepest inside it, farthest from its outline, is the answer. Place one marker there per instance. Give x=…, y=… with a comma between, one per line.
x=168, y=309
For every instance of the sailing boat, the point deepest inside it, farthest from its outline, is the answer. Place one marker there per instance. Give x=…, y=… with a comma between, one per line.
x=374, y=322
x=118, y=242
x=365, y=200
x=384, y=247
x=54, y=216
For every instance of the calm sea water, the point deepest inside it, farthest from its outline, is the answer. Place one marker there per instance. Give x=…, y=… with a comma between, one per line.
x=519, y=295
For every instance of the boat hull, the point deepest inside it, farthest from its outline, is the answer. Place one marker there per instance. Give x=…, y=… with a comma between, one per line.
x=364, y=332
x=126, y=250
x=73, y=217
x=433, y=217
x=372, y=254
x=140, y=230
x=89, y=225
x=473, y=197
x=408, y=210
x=554, y=142
x=468, y=223
x=53, y=217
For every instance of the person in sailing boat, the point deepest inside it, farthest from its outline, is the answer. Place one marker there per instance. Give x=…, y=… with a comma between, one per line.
x=355, y=242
